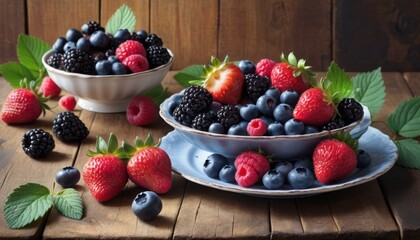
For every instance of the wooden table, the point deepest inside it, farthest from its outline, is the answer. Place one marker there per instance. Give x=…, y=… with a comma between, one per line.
x=387, y=208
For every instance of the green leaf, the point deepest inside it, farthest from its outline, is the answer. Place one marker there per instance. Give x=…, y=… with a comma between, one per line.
x=408, y=152
x=369, y=90
x=112, y=143
x=337, y=83
x=158, y=94
x=405, y=120
x=188, y=74
x=26, y=204
x=15, y=72
x=30, y=51
x=69, y=203
x=122, y=18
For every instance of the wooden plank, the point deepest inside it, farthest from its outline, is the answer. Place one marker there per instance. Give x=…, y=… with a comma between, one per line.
x=392, y=27
x=285, y=219
x=413, y=81
x=254, y=30
x=188, y=28
x=12, y=23
x=62, y=15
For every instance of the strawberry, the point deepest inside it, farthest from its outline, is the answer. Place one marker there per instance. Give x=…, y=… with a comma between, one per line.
x=105, y=173
x=128, y=48
x=264, y=67
x=250, y=168
x=23, y=105
x=224, y=80
x=291, y=74
x=48, y=88
x=142, y=111
x=68, y=102
x=149, y=166
x=334, y=159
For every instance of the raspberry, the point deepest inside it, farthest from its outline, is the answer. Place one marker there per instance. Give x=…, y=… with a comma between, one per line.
x=142, y=111
x=264, y=67
x=48, y=88
x=67, y=102
x=251, y=166
x=136, y=63
x=128, y=48
x=246, y=176
x=256, y=127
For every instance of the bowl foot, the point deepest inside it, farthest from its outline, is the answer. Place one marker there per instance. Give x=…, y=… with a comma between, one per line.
x=113, y=106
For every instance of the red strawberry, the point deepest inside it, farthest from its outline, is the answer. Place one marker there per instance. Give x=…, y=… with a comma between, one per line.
x=334, y=159
x=250, y=167
x=105, y=173
x=48, y=88
x=264, y=67
x=291, y=74
x=67, y=102
x=142, y=111
x=136, y=63
x=128, y=48
x=149, y=166
x=224, y=80
x=314, y=107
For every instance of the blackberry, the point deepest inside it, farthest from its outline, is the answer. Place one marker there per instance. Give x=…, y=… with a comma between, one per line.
x=337, y=122
x=182, y=117
x=196, y=99
x=55, y=60
x=255, y=86
x=228, y=116
x=78, y=61
x=37, y=143
x=91, y=27
x=350, y=110
x=202, y=121
x=68, y=127
x=157, y=56
x=153, y=40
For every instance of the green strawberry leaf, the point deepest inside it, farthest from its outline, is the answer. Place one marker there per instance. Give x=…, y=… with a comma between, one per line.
x=369, y=90
x=408, y=152
x=30, y=51
x=112, y=143
x=69, y=203
x=405, y=120
x=26, y=204
x=122, y=18
x=189, y=74
x=337, y=83
x=158, y=94
x=15, y=72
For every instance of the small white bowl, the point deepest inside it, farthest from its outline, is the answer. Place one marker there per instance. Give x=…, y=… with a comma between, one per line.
x=282, y=147
x=108, y=93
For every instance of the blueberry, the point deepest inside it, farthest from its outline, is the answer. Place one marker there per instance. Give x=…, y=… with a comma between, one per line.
x=227, y=173
x=268, y=120
x=243, y=124
x=310, y=129
x=73, y=35
x=213, y=164
x=216, y=128
x=237, y=129
x=274, y=93
x=363, y=159
x=83, y=44
x=118, y=68
x=246, y=66
x=249, y=112
x=305, y=163
x=141, y=35
x=294, y=127
x=284, y=167
x=266, y=105
x=103, y=67
x=67, y=177
x=283, y=112
x=122, y=35
x=113, y=59
x=147, y=205
x=100, y=40
x=273, y=179
x=275, y=129
x=290, y=97
x=215, y=106
x=58, y=45
x=69, y=45
x=300, y=178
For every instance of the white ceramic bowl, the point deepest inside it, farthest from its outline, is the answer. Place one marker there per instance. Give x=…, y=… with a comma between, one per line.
x=110, y=93
x=279, y=147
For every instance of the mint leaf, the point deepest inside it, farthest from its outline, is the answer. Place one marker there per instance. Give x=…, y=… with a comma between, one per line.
x=337, y=83
x=369, y=90
x=122, y=18
x=408, y=152
x=26, y=204
x=69, y=203
x=14, y=72
x=30, y=51
x=191, y=73
x=158, y=94
x=405, y=120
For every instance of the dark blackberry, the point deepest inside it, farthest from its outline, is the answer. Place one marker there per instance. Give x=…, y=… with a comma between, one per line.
x=153, y=40
x=157, y=56
x=182, y=117
x=55, y=60
x=99, y=57
x=91, y=27
x=203, y=121
x=337, y=122
x=228, y=116
x=350, y=110
x=37, y=143
x=69, y=128
x=255, y=86
x=196, y=99
x=78, y=61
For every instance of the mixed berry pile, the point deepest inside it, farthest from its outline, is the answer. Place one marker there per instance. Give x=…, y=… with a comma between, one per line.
x=91, y=50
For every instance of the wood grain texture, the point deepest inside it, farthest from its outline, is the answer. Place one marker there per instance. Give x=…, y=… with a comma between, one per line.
x=386, y=35
x=253, y=30
x=12, y=23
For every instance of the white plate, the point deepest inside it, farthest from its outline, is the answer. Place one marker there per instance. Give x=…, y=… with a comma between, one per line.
x=188, y=162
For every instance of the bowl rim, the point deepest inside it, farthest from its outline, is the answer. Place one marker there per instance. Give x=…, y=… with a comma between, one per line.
x=58, y=71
